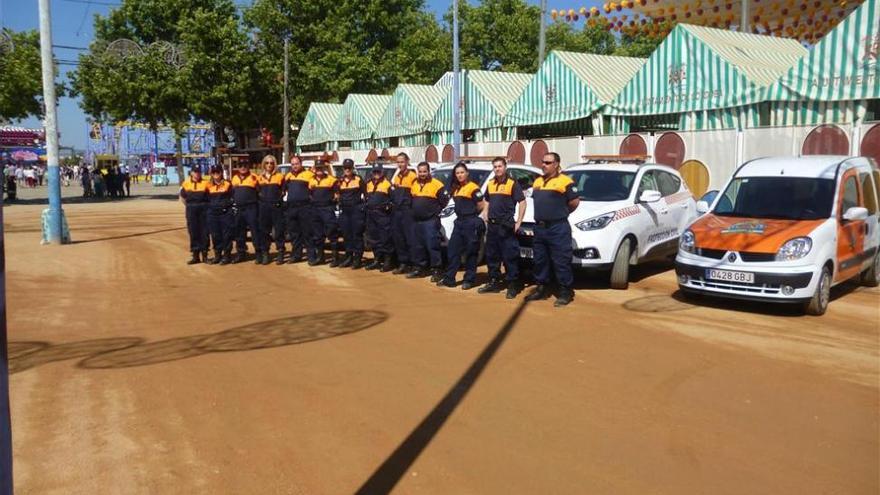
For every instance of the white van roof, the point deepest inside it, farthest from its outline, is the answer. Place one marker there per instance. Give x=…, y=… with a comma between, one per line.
x=814, y=167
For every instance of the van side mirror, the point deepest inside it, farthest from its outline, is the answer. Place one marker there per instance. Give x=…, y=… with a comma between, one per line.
x=650, y=196
x=702, y=207
x=855, y=213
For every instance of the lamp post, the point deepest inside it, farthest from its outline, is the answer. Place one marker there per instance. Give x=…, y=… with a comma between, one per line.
x=54, y=234
x=456, y=86
x=285, y=157
x=542, y=33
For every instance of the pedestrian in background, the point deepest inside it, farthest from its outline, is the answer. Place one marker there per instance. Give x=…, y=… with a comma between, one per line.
x=429, y=197
x=467, y=231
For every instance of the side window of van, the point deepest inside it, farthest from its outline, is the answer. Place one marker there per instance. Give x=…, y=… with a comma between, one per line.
x=869, y=190
x=850, y=194
x=669, y=184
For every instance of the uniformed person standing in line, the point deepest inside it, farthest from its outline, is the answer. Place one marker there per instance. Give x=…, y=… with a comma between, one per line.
x=429, y=197
x=323, y=189
x=352, y=215
x=194, y=194
x=298, y=221
x=245, y=185
x=220, y=220
x=378, y=193
x=271, y=212
x=555, y=197
x=467, y=230
x=402, y=231
x=504, y=195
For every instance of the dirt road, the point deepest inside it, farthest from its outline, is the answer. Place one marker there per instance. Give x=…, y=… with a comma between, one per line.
x=134, y=373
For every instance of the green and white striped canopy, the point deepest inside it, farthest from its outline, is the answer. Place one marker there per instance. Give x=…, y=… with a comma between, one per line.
x=410, y=110
x=360, y=116
x=570, y=86
x=698, y=68
x=319, y=126
x=842, y=66
x=487, y=97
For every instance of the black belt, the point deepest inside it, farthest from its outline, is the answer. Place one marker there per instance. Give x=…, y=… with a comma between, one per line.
x=547, y=223
x=469, y=215
x=197, y=203
x=297, y=203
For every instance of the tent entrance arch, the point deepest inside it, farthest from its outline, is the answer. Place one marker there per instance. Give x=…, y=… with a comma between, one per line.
x=826, y=140
x=431, y=154
x=696, y=176
x=670, y=150
x=539, y=149
x=516, y=152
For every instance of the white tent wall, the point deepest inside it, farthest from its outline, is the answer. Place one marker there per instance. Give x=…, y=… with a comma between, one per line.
x=717, y=150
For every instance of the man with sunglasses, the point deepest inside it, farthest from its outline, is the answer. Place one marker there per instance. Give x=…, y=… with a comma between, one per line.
x=555, y=197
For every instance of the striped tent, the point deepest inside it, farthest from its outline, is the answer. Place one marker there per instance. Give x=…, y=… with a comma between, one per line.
x=487, y=97
x=834, y=81
x=409, y=112
x=359, y=118
x=709, y=78
x=569, y=88
x=319, y=126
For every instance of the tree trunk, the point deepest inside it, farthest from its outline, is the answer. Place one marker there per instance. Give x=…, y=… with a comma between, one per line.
x=178, y=154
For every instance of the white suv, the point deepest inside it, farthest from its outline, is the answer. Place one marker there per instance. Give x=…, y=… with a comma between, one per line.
x=628, y=214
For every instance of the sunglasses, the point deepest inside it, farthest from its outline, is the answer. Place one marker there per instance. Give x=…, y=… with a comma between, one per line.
x=547, y=163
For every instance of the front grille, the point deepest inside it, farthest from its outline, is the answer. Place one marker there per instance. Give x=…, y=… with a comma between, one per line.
x=757, y=257
x=715, y=254
x=736, y=287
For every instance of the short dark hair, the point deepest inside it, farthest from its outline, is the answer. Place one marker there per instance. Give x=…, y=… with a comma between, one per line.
x=424, y=164
x=500, y=159
x=402, y=154
x=555, y=156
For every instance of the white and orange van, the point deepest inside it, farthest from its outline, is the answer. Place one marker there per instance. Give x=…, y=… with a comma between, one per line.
x=786, y=229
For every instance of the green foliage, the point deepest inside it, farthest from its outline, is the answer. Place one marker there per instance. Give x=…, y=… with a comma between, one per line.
x=21, y=85
x=638, y=45
x=598, y=40
x=498, y=35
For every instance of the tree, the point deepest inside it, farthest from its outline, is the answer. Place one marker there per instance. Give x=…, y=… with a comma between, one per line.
x=637, y=45
x=590, y=39
x=338, y=47
x=21, y=85
x=498, y=35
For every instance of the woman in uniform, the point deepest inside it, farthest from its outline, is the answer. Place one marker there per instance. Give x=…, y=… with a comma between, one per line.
x=220, y=220
x=467, y=231
x=194, y=194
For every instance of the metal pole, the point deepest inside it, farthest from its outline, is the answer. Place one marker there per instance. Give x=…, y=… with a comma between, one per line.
x=5, y=423
x=744, y=13
x=51, y=124
x=456, y=86
x=286, y=154
x=542, y=35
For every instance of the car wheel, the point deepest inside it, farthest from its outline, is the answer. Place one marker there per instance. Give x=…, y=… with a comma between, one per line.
x=871, y=276
x=620, y=269
x=818, y=304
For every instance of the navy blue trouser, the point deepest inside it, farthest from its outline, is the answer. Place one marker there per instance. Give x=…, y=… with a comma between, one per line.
x=220, y=226
x=426, y=250
x=272, y=223
x=324, y=227
x=379, y=231
x=502, y=246
x=246, y=218
x=351, y=221
x=403, y=233
x=553, y=246
x=299, y=228
x=197, y=226
x=465, y=242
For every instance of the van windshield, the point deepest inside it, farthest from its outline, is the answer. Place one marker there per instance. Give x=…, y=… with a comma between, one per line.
x=784, y=198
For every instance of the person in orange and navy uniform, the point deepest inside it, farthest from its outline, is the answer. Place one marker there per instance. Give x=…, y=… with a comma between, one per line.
x=429, y=197
x=467, y=231
x=402, y=227
x=194, y=194
x=352, y=215
x=220, y=219
x=378, y=193
x=271, y=211
x=323, y=190
x=504, y=195
x=245, y=192
x=298, y=216
x=555, y=197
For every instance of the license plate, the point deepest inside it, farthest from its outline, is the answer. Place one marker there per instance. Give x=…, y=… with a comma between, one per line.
x=525, y=252
x=731, y=276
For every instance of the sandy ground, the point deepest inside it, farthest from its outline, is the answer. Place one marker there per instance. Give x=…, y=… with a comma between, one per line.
x=134, y=373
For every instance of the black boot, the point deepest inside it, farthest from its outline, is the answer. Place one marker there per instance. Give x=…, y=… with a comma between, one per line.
x=375, y=264
x=386, y=264
x=279, y=258
x=239, y=257
x=258, y=258
x=467, y=285
x=417, y=273
x=444, y=282
x=226, y=258
x=195, y=258
x=357, y=263
x=211, y=261
x=492, y=287
x=436, y=275
x=402, y=269
x=346, y=262
x=541, y=292
x=205, y=257
x=566, y=296
x=513, y=289
x=334, y=260
x=265, y=260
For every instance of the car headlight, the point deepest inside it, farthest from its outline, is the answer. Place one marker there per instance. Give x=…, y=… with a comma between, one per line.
x=448, y=211
x=794, y=249
x=687, y=242
x=596, y=223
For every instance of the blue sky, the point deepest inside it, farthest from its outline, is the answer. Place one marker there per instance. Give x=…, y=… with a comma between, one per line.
x=72, y=26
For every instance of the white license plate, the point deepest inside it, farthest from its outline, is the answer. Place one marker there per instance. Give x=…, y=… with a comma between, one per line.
x=525, y=252
x=730, y=276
